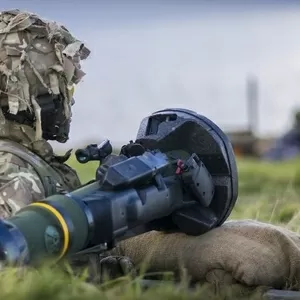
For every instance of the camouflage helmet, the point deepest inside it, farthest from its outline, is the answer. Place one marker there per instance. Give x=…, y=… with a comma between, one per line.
x=39, y=66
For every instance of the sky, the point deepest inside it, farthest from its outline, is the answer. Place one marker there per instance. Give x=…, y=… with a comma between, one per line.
x=149, y=55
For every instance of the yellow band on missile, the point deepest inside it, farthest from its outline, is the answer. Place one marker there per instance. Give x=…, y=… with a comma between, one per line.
x=63, y=224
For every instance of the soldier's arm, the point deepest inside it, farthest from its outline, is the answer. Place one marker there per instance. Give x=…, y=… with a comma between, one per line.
x=19, y=184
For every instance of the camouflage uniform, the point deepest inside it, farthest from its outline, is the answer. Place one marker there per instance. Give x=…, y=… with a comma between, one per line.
x=20, y=183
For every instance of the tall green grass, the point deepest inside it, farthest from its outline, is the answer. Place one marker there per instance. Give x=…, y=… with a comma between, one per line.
x=269, y=192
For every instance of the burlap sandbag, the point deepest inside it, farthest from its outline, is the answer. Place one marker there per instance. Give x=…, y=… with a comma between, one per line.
x=244, y=252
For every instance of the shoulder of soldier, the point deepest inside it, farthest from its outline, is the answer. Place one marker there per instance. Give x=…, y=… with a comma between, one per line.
x=16, y=172
x=10, y=165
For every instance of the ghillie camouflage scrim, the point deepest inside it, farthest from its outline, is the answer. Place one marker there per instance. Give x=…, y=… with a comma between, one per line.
x=36, y=57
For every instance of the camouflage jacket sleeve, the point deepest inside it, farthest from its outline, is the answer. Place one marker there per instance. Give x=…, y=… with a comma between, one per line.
x=19, y=184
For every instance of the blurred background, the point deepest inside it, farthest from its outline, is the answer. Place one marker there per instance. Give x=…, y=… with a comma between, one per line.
x=236, y=62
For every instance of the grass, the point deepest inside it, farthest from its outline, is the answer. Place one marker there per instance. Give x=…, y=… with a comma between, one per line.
x=267, y=192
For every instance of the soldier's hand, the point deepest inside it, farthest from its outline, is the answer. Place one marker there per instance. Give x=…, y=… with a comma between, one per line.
x=112, y=267
x=103, y=268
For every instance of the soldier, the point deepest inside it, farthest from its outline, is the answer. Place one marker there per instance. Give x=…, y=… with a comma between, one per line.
x=39, y=66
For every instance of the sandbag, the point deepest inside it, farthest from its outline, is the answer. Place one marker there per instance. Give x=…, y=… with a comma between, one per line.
x=247, y=252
